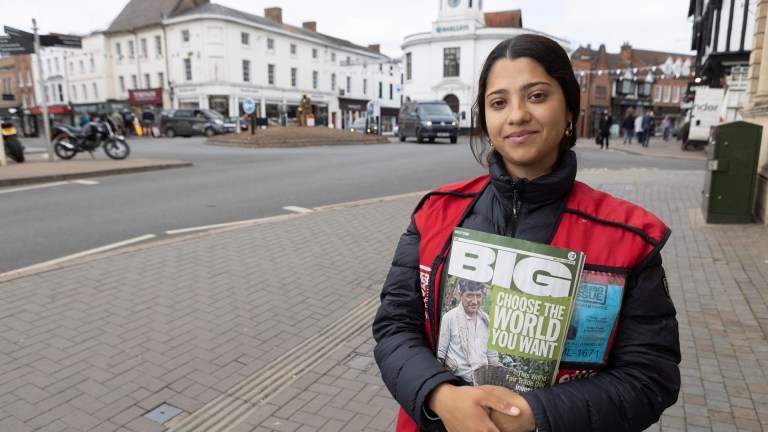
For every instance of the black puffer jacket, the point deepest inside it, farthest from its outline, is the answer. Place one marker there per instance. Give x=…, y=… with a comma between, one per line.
x=641, y=378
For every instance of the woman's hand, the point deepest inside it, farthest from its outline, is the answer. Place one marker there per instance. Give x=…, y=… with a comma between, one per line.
x=506, y=423
x=470, y=409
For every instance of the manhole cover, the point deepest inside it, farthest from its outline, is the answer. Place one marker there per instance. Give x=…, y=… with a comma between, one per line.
x=163, y=413
x=360, y=362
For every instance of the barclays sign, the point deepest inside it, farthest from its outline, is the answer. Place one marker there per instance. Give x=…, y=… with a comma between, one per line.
x=451, y=28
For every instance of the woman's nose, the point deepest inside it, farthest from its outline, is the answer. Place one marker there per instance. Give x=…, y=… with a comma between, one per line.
x=518, y=113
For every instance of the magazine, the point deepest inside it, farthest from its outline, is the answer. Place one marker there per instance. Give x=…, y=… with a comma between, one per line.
x=505, y=309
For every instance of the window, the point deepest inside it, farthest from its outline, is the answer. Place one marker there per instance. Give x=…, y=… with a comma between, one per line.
x=245, y=38
x=294, y=73
x=381, y=89
x=61, y=92
x=74, y=92
x=188, y=69
x=85, y=92
x=95, y=91
x=333, y=57
x=365, y=86
x=119, y=51
x=626, y=86
x=644, y=89
x=600, y=92
x=271, y=74
x=185, y=36
x=121, y=81
x=160, y=79
x=451, y=58
x=349, y=84
x=293, y=49
x=158, y=46
x=71, y=67
x=134, y=82
x=333, y=82
x=93, y=65
x=657, y=94
x=147, y=82
x=667, y=94
x=270, y=44
x=246, y=70
x=390, y=91
x=408, y=66
x=131, y=50
x=56, y=62
x=314, y=53
x=676, y=94
x=144, y=53
x=82, y=66
x=314, y=80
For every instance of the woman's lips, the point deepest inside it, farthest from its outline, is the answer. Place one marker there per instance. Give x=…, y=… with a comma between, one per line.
x=519, y=137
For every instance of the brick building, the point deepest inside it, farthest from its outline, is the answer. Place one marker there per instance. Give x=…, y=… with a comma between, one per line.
x=633, y=79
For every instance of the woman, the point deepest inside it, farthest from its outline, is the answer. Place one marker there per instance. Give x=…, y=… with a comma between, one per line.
x=525, y=115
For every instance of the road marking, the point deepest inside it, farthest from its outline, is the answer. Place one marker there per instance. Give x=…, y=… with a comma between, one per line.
x=40, y=186
x=298, y=209
x=78, y=255
x=85, y=182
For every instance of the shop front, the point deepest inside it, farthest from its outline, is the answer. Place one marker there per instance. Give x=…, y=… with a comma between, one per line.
x=33, y=118
x=350, y=110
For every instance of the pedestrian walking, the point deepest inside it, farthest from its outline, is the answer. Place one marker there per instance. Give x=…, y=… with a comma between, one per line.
x=605, y=129
x=639, y=129
x=147, y=120
x=527, y=106
x=649, y=125
x=666, y=125
x=628, y=125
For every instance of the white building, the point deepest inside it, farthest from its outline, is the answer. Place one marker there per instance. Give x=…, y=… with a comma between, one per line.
x=459, y=41
x=195, y=54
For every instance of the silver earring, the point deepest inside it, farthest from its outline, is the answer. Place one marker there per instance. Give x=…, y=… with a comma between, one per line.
x=490, y=142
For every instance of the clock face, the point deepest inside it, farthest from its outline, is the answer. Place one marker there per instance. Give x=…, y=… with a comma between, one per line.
x=453, y=3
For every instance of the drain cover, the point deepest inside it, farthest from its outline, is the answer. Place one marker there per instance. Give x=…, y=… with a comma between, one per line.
x=163, y=413
x=360, y=362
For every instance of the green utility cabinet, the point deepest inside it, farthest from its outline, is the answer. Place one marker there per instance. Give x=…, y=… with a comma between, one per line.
x=729, y=184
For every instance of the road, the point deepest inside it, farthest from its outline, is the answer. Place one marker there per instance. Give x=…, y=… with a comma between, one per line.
x=229, y=184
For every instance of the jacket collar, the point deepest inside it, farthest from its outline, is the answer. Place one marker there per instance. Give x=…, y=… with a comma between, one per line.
x=539, y=191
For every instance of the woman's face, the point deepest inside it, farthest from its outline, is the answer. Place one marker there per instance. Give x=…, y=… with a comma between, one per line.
x=525, y=115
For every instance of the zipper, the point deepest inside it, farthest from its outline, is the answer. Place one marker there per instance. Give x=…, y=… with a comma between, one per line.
x=516, y=204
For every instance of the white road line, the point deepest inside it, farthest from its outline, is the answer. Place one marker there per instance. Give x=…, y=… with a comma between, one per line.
x=85, y=182
x=298, y=209
x=79, y=255
x=39, y=186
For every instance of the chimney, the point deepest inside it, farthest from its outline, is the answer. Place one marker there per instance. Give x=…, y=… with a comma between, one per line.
x=274, y=13
x=375, y=47
x=310, y=25
x=626, y=51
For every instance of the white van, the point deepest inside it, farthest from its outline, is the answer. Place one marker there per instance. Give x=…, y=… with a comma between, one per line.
x=704, y=114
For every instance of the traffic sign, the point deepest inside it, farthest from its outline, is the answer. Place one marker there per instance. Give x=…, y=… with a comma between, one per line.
x=63, y=41
x=14, y=45
x=249, y=106
x=10, y=31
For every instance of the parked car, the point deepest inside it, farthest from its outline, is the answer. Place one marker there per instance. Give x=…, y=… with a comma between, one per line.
x=427, y=120
x=188, y=122
x=360, y=126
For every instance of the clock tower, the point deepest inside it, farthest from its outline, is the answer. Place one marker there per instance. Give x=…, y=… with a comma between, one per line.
x=461, y=11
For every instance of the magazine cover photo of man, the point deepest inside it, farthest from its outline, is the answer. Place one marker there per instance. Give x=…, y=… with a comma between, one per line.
x=464, y=332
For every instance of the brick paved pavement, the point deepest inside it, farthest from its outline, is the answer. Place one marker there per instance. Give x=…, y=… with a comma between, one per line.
x=215, y=324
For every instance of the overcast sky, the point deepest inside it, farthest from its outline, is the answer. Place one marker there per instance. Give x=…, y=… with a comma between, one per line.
x=660, y=25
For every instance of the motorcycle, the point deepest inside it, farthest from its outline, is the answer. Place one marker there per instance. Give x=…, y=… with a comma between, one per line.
x=13, y=147
x=69, y=141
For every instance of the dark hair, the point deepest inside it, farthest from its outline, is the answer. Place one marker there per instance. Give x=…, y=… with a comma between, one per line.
x=553, y=58
x=469, y=285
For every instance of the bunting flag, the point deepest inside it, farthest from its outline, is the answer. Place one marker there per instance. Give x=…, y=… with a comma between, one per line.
x=666, y=70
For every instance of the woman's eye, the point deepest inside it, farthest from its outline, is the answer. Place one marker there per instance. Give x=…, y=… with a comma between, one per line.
x=537, y=96
x=498, y=103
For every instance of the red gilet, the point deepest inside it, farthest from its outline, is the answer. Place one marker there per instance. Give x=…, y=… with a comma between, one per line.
x=593, y=222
